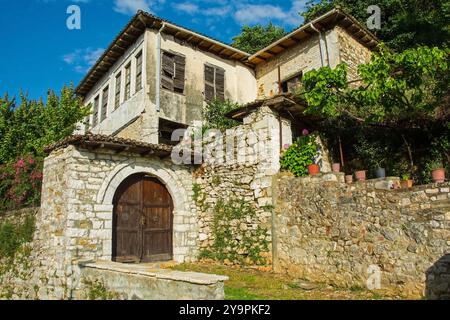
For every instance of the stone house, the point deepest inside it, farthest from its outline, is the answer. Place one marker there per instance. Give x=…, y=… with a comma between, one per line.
x=118, y=191
x=156, y=77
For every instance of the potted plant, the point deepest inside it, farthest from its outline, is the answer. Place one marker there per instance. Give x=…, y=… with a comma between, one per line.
x=360, y=175
x=313, y=169
x=349, y=178
x=437, y=172
x=336, y=167
x=406, y=182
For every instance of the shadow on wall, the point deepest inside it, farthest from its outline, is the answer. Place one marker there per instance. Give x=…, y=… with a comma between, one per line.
x=438, y=279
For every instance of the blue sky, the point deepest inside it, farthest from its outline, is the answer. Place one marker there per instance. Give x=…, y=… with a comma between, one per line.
x=39, y=52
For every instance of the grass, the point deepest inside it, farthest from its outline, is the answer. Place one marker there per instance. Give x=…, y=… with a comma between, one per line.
x=251, y=284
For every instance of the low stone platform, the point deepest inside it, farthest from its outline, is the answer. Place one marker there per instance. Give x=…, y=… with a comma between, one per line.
x=147, y=282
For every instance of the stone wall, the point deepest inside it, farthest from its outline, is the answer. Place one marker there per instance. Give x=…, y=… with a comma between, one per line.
x=141, y=282
x=329, y=231
x=75, y=220
x=352, y=52
x=242, y=174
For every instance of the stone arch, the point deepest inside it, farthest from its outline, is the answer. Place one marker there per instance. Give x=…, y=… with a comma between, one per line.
x=183, y=249
x=108, y=189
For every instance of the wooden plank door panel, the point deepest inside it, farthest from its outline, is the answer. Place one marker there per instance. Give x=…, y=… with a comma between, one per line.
x=143, y=221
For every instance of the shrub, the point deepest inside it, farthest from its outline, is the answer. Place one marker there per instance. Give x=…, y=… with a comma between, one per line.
x=300, y=155
x=20, y=184
x=214, y=114
x=13, y=236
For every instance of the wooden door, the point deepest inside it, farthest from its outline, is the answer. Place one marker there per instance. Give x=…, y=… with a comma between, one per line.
x=143, y=220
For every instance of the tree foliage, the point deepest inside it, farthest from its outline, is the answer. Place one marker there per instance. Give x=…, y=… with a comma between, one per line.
x=403, y=87
x=254, y=38
x=27, y=127
x=404, y=23
x=395, y=115
x=214, y=114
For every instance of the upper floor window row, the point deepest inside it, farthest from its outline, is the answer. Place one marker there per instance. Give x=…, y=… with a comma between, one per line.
x=173, y=73
x=99, y=115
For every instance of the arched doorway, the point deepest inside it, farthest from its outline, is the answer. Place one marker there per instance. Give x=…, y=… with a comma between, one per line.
x=142, y=221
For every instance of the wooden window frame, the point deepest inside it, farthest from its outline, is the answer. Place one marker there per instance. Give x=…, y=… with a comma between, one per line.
x=139, y=57
x=285, y=87
x=127, y=82
x=214, y=84
x=105, y=98
x=173, y=80
x=95, y=111
x=118, y=90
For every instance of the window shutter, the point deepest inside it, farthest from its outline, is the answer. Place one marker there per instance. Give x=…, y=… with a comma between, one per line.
x=209, y=83
x=168, y=71
x=220, y=84
x=179, y=78
x=105, y=103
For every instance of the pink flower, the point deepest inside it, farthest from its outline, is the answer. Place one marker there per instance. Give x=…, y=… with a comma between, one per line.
x=21, y=163
x=305, y=132
x=30, y=161
x=286, y=146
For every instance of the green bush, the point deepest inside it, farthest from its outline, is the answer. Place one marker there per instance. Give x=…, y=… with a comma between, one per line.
x=20, y=184
x=300, y=155
x=214, y=115
x=13, y=236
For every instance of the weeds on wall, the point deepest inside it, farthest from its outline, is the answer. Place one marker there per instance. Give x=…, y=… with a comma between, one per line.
x=13, y=236
x=237, y=237
x=96, y=290
x=15, y=253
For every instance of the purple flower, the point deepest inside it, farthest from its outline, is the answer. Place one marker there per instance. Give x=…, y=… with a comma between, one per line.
x=305, y=132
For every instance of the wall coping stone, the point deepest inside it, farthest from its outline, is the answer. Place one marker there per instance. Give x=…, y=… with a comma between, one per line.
x=145, y=270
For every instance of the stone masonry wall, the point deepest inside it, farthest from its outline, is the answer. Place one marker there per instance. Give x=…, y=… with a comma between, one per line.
x=74, y=224
x=246, y=178
x=329, y=231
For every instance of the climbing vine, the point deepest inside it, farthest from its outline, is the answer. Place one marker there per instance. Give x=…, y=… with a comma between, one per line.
x=237, y=237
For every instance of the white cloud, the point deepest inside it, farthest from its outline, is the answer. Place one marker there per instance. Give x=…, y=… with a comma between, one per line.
x=263, y=13
x=130, y=7
x=82, y=59
x=187, y=7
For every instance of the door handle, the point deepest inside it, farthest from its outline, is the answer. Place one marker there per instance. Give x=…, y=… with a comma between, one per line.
x=143, y=221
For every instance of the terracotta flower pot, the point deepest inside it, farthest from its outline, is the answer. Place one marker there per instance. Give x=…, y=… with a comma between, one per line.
x=406, y=184
x=336, y=167
x=349, y=179
x=438, y=175
x=360, y=175
x=313, y=169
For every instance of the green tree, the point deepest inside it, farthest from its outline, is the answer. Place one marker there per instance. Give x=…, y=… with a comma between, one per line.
x=252, y=39
x=399, y=108
x=406, y=87
x=27, y=127
x=404, y=23
x=214, y=115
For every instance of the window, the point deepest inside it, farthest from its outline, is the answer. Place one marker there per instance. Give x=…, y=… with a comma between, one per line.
x=173, y=72
x=139, y=72
x=127, y=82
x=118, y=85
x=293, y=83
x=87, y=124
x=214, y=83
x=105, y=103
x=95, y=113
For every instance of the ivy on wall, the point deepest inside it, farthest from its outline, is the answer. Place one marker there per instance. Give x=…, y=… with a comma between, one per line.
x=237, y=237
